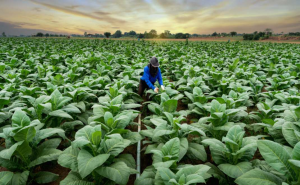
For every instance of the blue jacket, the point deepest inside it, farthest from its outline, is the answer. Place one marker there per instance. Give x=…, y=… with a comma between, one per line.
x=150, y=79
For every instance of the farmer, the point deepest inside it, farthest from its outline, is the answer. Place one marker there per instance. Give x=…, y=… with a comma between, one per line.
x=151, y=74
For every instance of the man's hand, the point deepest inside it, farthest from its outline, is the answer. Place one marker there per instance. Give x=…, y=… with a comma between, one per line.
x=156, y=90
x=162, y=87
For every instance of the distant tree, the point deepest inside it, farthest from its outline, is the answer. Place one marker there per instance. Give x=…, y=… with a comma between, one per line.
x=146, y=35
x=214, y=34
x=141, y=35
x=167, y=33
x=39, y=34
x=182, y=35
x=153, y=33
x=268, y=31
x=233, y=33
x=132, y=33
x=261, y=34
x=118, y=34
x=248, y=36
x=107, y=34
x=255, y=32
x=47, y=35
x=195, y=35
x=3, y=34
x=85, y=34
x=163, y=35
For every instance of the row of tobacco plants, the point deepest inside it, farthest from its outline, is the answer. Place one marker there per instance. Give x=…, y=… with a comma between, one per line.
x=230, y=112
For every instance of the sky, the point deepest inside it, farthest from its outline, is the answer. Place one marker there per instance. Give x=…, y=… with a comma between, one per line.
x=188, y=16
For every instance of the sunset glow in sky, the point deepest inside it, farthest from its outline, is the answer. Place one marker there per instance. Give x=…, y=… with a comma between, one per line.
x=188, y=16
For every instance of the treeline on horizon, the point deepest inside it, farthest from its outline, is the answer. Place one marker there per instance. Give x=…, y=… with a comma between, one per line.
x=167, y=35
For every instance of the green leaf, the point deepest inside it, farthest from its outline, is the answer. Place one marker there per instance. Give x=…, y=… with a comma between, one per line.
x=183, y=148
x=7, y=153
x=96, y=138
x=296, y=152
x=24, y=150
x=166, y=174
x=118, y=172
x=171, y=148
x=193, y=169
x=291, y=133
x=45, y=133
x=68, y=158
x=87, y=163
x=20, y=178
x=170, y=105
x=258, y=177
x=127, y=159
x=61, y=114
x=20, y=119
x=5, y=177
x=234, y=171
x=74, y=178
x=45, y=177
x=25, y=134
x=275, y=155
x=45, y=156
x=197, y=151
x=147, y=177
x=115, y=146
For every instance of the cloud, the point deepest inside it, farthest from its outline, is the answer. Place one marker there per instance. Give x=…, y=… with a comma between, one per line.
x=16, y=29
x=72, y=7
x=36, y=9
x=104, y=18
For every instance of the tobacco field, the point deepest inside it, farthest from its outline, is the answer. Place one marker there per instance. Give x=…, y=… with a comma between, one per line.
x=69, y=113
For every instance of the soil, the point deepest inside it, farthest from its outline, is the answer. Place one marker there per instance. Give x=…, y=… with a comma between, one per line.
x=264, y=89
x=55, y=168
x=252, y=109
x=181, y=106
x=2, y=169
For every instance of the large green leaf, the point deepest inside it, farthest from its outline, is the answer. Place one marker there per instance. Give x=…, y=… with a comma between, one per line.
x=291, y=133
x=25, y=134
x=7, y=153
x=74, y=178
x=170, y=105
x=296, y=152
x=197, y=151
x=45, y=177
x=166, y=174
x=118, y=172
x=20, y=119
x=171, y=148
x=234, y=171
x=115, y=146
x=19, y=178
x=258, y=177
x=127, y=159
x=68, y=158
x=60, y=113
x=276, y=156
x=147, y=177
x=45, y=156
x=5, y=177
x=183, y=148
x=45, y=133
x=87, y=163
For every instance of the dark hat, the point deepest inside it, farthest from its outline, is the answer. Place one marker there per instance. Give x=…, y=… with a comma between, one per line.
x=154, y=62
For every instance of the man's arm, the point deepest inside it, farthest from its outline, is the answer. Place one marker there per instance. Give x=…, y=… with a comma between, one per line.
x=160, y=81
